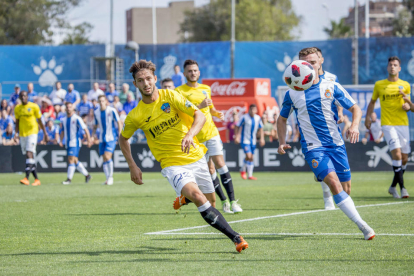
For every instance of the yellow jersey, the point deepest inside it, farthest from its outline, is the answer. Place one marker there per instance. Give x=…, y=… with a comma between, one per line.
x=165, y=123
x=27, y=115
x=391, y=101
x=196, y=96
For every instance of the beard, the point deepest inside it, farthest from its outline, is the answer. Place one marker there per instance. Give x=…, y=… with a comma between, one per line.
x=192, y=78
x=147, y=94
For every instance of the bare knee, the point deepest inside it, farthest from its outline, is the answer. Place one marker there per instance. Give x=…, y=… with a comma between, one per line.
x=333, y=182
x=404, y=158
x=396, y=154
x=347, y=187
x=211, y=198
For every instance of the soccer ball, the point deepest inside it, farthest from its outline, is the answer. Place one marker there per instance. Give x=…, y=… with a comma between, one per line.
x=299, y=75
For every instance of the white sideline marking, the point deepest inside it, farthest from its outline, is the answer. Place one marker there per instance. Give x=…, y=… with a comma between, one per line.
x=275, y=216
x=283, y=234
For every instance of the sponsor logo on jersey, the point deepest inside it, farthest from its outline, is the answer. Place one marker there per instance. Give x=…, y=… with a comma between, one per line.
x=328, y=93
x=315, y=163
x=166, y=107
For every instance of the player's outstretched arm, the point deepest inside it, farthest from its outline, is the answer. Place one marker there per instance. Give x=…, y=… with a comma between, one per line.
x=370, y=109
x=199, y=120
x=42, y=126
x=136, y=173
x=340, y=114
x=16, y=130
x=218, y=114
x=281, y=132
x=353, y=132
x=88, y=137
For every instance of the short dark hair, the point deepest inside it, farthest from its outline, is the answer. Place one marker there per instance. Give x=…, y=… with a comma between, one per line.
x=66, y=103
x=190, y=62
x=307, y=51
x=251, y=106
x=166, y=80
x=101, y=96
x=142, y=65
x=394, y=58
x=319, y=50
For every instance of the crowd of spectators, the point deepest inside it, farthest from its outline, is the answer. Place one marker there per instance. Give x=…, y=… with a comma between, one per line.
x=53, y=110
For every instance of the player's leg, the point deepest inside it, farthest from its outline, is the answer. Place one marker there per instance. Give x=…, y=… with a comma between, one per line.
x=72, y=160
x=29, y=161
x=110, y=166
x=327, y=196
x=80, y=167
x=250, y=163
x=105, y=164
x=30, y=154
x=243, y=169
x=216, y=181
x=404, y=135
x=393, y=141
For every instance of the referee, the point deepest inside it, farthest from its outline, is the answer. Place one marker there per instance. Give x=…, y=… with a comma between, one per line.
x=394, y=121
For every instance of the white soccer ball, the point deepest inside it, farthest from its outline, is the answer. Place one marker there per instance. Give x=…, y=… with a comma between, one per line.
x=299, y=75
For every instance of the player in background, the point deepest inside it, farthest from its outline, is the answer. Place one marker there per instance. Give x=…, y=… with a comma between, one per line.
x=167, y=83
x=28, y=117
x=246, y=135
x=171, y=123
x=394, y=121
x=70, y=129
x=322, y=143
x=200, y=95
x=106, y=118
x=375, y=132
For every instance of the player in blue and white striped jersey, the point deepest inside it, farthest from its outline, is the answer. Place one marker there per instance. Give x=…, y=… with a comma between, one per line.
x=70, y=126
x=107, y=119
x=246, y=135
x=321, y=139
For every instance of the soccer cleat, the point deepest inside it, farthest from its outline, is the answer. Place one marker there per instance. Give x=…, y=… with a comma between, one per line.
x=329, y=204
x=25, y=181
x=178, y=202
x=240, y=243
x=110, y=181
x=88, y=178
x=235, y=207
x=368, y=232
x=36, y=182
x=243, y=175
x=226, y=206
x=66, y=182
x=393, y=191
x=252, y=178
x=404, y=193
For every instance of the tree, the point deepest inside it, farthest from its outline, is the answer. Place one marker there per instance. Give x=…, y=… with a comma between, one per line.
x=261, y=20
x=30, y=21
x=338, y=30
x=78, y=34
x=401, y=24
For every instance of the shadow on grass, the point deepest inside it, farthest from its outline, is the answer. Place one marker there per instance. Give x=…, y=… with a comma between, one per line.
x=127, y=214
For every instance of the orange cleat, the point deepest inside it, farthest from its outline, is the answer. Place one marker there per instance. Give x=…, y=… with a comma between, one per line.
x=252, y=178
x=178, y=202
x=36, y=182
x=241, y=244
x=25, y=181
x=243, y=175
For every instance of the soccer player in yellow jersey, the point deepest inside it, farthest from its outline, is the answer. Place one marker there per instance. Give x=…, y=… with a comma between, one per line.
x=394, y=121
x=200, y=95
x=28, y=116
x=171, y=123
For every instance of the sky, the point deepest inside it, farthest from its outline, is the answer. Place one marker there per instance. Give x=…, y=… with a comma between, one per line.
x=97, y=13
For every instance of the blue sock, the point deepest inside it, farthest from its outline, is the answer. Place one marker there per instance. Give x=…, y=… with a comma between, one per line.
x=340, y=197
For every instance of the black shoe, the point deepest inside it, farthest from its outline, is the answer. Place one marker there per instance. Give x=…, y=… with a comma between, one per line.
x=87, y=178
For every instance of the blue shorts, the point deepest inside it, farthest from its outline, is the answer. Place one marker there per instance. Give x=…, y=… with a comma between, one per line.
x=248, y=148
x=73, y=151
x=107, y=146
x=329, y=159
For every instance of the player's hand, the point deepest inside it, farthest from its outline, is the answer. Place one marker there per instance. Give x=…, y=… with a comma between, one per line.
x=206, y=102
x=281, y=149
x=405, y=97
x=353, y=134
x=237, y=140
x=367, y=122
x=136, y=175
x=60, y=144
x=262, y=142
x=90, y=143
x=340, y=118
x=377, y=141
x=406, y=107
x=220, y=115
x=45, y=138
x=186, y=143
x=16, y=137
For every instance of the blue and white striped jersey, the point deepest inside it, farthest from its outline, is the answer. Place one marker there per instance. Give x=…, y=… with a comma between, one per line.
x=314, y=109
x=249, y=126
x=329, y=76
x=71, y=127
x=106, y=119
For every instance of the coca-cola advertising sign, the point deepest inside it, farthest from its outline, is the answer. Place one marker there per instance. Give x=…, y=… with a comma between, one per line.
x=234, y=88
x=238, y=87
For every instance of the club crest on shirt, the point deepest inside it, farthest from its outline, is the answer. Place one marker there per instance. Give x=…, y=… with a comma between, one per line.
x=328, y=93
x=166, y=107
x=204, y=93
x=315, y=163
x=29, y=109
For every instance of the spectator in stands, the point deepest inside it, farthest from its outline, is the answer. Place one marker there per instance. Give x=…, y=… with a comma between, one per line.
x=31, y=93
x=57, y=110
x=5, y=106
x=5, y=120
x=95, y=104
x=274, y=129
x=167, y=83
x=62, y=113
x=289, y=134
x=117, y=104
x=111, y=93
x=130, y=104
x=58, y=95
x=124, y=93
x=15, y=96
x=40, y=136
x=267, y=128
x=231, y=127
x=47, y=109
x=178, y=77
x=72, y=95
x=52, y=132
x=8, y=137
x=84, y=106
x=375, y=132
x=95, y=92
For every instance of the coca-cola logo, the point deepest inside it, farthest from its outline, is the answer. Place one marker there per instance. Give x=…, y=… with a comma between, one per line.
x=235, y=88
x=262, y=88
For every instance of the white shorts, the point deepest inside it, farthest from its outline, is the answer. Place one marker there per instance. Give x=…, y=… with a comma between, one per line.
x=196, y=172
x=28, y=143
x=397, y=137
x=214, y=146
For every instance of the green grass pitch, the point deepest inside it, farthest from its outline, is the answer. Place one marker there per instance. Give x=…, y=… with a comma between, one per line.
x=90, y=229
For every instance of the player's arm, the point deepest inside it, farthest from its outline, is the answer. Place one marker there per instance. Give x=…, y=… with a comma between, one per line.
x=82, y=125
x=371, y=106
x=198, y=123
x=238, y=130
x=340, y=114
x=61, y=135
x=261, y=133
x=281, y=132
x=218, y=114
x=408, y=105
x=78, y=99
x=16, y=130
x=42, y=126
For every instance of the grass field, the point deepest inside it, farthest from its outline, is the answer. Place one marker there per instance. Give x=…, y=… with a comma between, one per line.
x=90, y=229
